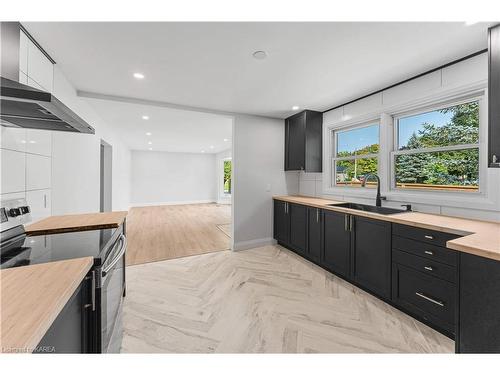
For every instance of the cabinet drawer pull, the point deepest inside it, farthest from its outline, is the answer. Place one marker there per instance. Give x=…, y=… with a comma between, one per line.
x=428, y=252
x=429, y=237
x=429, y=268
x=421, y=295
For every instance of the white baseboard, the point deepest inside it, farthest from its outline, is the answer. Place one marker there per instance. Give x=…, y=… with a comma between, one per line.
x=245, y=245
x=171, y=203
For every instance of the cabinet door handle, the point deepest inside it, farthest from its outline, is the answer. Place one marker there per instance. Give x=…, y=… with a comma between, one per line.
x=45, y=201
x=351, y=223
x=429, y=237
x=346, y=225
x=317, y=215
x=428, y=252
x=93, y=290
x=421, y=295
x=428, y=268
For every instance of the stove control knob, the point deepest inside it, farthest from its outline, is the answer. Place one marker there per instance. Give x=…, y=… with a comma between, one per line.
x=25, y=209
x=13, y=212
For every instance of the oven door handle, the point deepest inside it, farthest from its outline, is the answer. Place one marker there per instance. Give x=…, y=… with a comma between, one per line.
x=106, y=269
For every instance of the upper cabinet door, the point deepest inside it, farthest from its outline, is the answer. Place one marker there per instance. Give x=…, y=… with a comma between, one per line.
x=38, y=172
x=13, y=171
x=494, y=97
x=39, y=142
x=13, y=138
x=40, y=68
x=296, y=142
x=303, y=142
x=23, y=52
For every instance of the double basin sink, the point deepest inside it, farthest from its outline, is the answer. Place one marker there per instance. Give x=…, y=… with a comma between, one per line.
x=369, y=208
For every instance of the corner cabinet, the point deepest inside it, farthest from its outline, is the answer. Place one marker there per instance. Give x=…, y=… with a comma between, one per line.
x=494, y=97
x=303, y=142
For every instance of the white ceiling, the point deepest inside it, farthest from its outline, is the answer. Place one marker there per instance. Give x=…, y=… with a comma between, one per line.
x=210, y=65
x=171, y=130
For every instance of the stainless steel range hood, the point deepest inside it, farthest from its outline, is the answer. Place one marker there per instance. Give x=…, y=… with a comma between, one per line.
x=23, y=106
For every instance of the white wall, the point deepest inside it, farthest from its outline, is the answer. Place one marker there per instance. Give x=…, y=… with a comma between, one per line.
x=219, y=167
x=75, y=159
x=258, y=174
x=172, y=178
x=468, y=75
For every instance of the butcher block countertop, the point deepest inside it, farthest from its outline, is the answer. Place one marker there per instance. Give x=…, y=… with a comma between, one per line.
x=71, y=223
x=480, y=238
x=32, y=297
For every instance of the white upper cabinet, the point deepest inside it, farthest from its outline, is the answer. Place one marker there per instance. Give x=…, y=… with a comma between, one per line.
x=38, y=172
x=23, y=52
x=13, y=171
x=35, y=69
x=39, y=142
x=13, y=138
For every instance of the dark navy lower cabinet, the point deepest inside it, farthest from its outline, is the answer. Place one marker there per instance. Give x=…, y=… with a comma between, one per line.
x=314, y=234
x=336, y=243
x=479, y=301
x=281, y=222
x=371, y=250
x=72, y=331
x=298, y=228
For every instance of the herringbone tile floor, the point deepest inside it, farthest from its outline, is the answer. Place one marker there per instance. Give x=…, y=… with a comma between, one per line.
x=264, y=300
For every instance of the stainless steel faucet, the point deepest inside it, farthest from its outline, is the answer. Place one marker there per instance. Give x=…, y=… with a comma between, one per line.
x=379, y=199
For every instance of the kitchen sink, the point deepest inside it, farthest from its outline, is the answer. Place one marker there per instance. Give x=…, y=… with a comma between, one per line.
x=369, y=208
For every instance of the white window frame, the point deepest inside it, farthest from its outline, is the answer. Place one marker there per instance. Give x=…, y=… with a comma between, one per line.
x=334, y=141
x=477, y=97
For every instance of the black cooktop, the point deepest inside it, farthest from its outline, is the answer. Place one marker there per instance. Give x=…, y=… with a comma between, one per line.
x=48, y=248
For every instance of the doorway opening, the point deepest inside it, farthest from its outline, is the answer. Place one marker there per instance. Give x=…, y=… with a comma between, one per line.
x=106, y=166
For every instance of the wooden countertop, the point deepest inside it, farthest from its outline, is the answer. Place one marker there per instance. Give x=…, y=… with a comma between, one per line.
x=32, y=297
x=480, y=238
x=72, y=223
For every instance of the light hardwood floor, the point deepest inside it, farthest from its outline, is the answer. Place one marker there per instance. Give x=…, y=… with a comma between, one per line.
x=166, y=232
x=264, y=300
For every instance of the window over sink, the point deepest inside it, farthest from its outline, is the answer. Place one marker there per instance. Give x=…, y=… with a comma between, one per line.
x=355, y=154
x=438, y=148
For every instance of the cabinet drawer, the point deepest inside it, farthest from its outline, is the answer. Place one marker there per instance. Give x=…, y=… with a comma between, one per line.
x=425, y=250
x=424, y=235
x=427, y=297
x=427, y=266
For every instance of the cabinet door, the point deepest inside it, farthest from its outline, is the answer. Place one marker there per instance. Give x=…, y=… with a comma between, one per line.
x=70, y=331
x=372, y=255
x=39, y=142
x=494, y=95
x=295, y=143
x=40, y=69
x=13, y=138
x=13, y=171
x=314, y=221
x=298, y=227
x=337, y=243
x=281, y=222
x=40, y=203
x=38, y=172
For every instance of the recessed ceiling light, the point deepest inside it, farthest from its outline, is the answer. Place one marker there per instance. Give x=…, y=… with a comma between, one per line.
x=151, y=149
x=145, y=117
x=212, y=147
x=138, y=75
x=295, y=107
x=225, y=139
x=202, y=151
x=148, y=133
x=150, y=143
x=470, y=23
x=259, y=55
